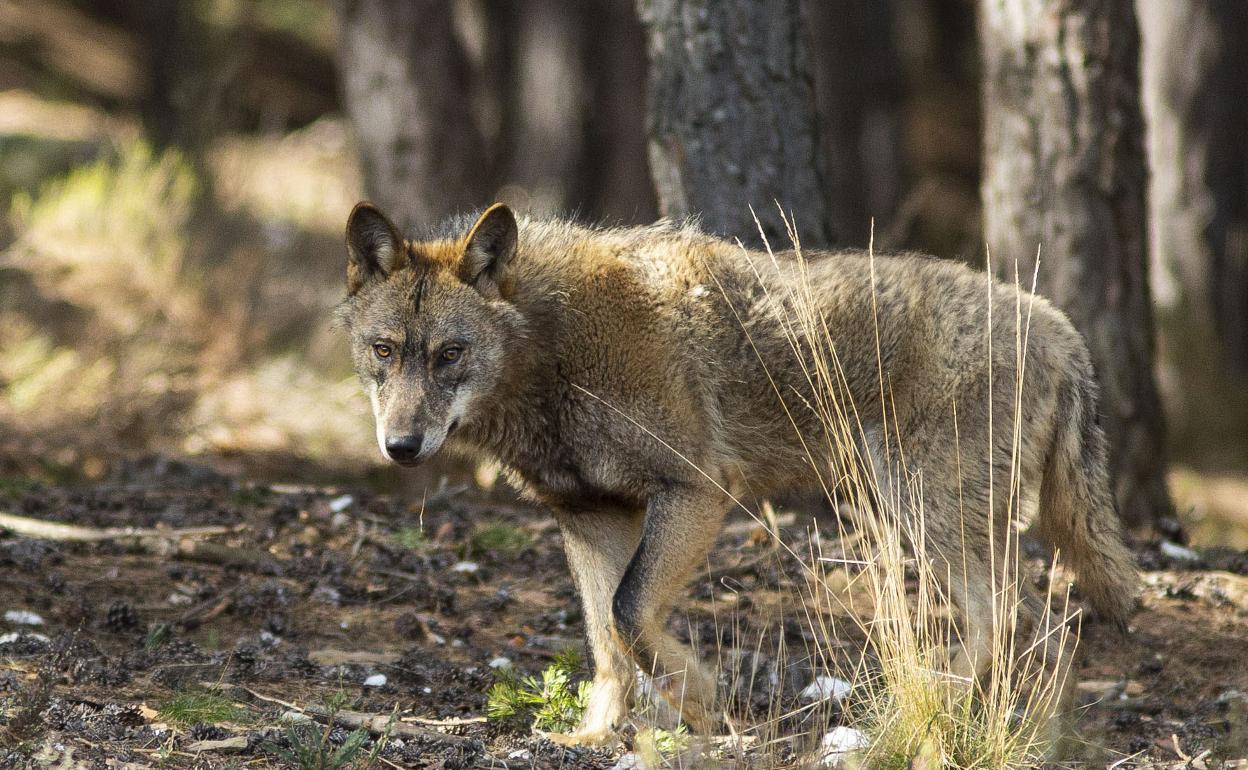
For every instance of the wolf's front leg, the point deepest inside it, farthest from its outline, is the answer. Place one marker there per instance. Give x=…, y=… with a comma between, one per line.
x=680, y=527
x=599, y=545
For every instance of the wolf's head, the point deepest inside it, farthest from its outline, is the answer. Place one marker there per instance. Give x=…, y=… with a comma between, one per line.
x=429, y=324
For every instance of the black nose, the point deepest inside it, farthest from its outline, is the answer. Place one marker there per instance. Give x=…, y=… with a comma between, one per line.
x=404, y=449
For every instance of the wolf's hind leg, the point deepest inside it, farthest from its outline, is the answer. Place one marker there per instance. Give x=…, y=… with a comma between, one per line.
x=599, y=545
x=945, y=519
x=680, y=527
x=968, y=583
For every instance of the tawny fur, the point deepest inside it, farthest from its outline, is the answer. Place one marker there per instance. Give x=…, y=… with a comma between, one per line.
x=633, y=379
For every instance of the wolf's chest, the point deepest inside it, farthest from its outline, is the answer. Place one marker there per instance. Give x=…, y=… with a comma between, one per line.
x=554, y=475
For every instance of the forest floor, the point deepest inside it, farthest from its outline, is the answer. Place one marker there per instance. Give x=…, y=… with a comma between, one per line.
x=190, y=647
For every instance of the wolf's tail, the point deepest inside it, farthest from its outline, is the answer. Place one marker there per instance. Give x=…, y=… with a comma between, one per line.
x=1077, y=513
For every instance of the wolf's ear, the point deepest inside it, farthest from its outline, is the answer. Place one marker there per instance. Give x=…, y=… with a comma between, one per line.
x=490, y=246
x=374, y=246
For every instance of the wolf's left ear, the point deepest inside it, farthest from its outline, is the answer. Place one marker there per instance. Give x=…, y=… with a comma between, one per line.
x=490, y=246
x=374, y=246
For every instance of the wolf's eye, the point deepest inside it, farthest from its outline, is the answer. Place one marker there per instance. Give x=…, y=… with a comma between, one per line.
x=382, y=349
x=450, y=354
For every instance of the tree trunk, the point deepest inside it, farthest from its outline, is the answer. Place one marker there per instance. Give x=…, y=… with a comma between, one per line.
x=546, y=95
x=1195, y=68
x=859, y=87
x=731, y=118
x=614, y=183
x=1064, y=172
x=407, y=87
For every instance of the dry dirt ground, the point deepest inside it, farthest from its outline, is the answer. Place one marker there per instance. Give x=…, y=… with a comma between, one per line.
x=295, y=597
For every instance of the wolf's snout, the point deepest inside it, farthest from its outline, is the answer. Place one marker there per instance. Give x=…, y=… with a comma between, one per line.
x=405, y=449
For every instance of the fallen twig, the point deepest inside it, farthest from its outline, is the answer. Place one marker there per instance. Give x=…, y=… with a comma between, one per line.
x=377, y=724
x=184, y=543
x=452, y=722
x=53, y=530
x=206, y=610
x=219, y=553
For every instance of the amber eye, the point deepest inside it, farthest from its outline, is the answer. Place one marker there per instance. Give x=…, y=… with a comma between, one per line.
x=382, y=349
x=450, y=355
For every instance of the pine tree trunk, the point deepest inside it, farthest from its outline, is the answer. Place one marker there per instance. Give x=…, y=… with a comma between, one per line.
x=1195, y=66
x=731, y=118
x=1195, y=87
x=547, y=94
x=1064, y=172
x=614, y=184
x=859, y=87
x=407, y=87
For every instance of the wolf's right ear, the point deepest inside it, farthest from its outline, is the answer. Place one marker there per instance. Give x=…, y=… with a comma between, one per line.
x=374, y=246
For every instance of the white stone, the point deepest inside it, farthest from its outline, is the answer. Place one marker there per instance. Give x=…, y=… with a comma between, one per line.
x=376, y=680
x=326, y=594
x=840, y=743
x=23, y=617
x=629, y=761
x=14, y=636
x=1176, y=551
x=500, y=662
x=468, y=567
x=826, y=688
x=340, y=504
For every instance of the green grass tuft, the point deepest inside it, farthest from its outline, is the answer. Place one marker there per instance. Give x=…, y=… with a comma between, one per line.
x=186, y=709
x=551, y=703
x=308, y=747
x=411, y=538
x=667, y=742
x=157, y=636
x=499, y=537
x=16, y=486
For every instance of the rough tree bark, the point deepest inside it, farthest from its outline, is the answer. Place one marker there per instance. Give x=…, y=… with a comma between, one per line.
x=1064, y=172
x=1195, y=74
x=731, y=117
x=859, y=87
x=407, y=86
x=614, y=183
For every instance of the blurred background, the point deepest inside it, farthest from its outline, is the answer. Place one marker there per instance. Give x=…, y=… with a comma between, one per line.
x=175, y=176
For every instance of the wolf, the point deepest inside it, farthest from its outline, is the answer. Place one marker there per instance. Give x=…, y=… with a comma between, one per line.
x=637, y=381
